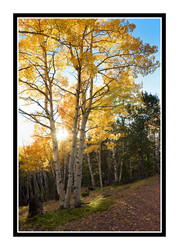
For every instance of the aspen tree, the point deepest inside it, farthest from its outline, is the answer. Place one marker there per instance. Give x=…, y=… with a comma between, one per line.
x=94, y=49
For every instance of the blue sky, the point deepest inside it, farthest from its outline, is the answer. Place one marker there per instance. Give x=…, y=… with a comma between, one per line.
x=149, y=32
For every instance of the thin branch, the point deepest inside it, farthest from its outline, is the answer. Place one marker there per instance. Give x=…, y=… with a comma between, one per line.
x=33, y=86
x=65, y=90
x=33, y=118
x=25, y=68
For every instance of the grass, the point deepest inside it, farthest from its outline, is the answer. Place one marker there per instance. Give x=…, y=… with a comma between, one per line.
x=97, y=203
x=51, y=220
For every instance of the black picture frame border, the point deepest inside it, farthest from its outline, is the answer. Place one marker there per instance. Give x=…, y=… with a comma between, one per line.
x=16, y=233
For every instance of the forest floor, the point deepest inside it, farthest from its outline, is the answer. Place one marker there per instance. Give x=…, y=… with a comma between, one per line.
x=130, y=207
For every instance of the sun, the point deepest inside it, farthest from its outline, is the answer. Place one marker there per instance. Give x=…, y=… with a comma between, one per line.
x=62, y=134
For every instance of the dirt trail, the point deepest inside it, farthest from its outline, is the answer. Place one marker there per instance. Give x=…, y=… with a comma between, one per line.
x=138, y=209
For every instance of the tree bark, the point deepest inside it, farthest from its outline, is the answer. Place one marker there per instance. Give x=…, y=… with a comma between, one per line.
x=74, y=145
x=99, y=167
x=60, y=186
x=29, y=185
x=120, y=173
x=115, y=165
x=50, y=114
x=109, y=166
x=42, y=189
x=35, y=185
x=79, y=160
x=45, y=180
x=91, y=171
x=35, y=206
x=122, y=163
x=85, y=113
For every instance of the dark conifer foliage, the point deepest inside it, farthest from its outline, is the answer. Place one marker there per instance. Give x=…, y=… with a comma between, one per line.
x=137, y=155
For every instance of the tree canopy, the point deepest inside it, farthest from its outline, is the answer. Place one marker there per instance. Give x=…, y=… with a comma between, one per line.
x=104, y=59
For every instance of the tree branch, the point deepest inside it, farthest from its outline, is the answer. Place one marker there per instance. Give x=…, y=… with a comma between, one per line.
x=34, y=119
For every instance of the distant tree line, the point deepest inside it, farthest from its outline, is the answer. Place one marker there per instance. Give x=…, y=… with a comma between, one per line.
x=133, y=155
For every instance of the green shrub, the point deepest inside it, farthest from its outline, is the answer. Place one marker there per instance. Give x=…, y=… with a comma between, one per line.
x=84, y=194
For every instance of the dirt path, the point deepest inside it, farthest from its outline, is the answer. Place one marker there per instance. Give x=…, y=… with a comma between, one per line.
x=137, y=210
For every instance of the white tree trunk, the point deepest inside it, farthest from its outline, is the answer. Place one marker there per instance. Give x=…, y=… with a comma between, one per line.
x=109, y=166
x=60, y=186
x=99, y=167
x=73, y=146
x=115, y=165
x=64, y=167
x=91, y=171
x=120, y=173
x=70, y=173
x=79, y=160
x=48, y=106
x=122, y=162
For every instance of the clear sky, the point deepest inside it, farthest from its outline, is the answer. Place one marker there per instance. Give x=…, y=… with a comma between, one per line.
x=148, y=29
